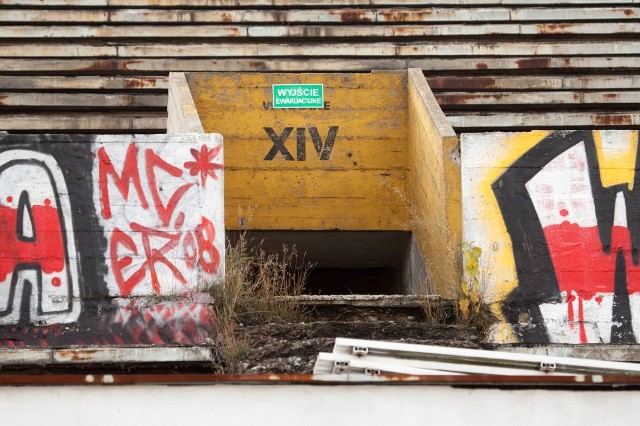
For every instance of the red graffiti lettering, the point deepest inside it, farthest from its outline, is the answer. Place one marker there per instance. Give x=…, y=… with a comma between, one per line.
x=209, y=256
x=154, y=255
x=190, y=250
x=129, y=175
x=164, y=211
x=47, y=250
x=118, y=263
x=198, y=249
x=164, y=228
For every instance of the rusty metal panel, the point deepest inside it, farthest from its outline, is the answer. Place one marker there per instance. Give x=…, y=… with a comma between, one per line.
x=531, y=98
x=156, y=65
x=260, y=31
x=81, y=100
x=56, y=50
x=517, y=49
x=84, y=121
x=505, y=120
x=147, y=31
x=479, y=64
x=142, y=83
x=363, y=49
x=335, y=3
x=482, y=46
x=533, y=82
x=339, y=14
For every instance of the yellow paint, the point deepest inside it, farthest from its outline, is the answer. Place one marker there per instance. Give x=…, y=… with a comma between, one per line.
x=497, y=263
x=617, y=160
x=501, y=267
x=434, y=188
x=356, y=188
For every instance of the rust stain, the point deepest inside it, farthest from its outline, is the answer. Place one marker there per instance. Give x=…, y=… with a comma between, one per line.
x=464, y=99
x=74, y=355
x=629, y=12
x=613, y=120
x=354, y=16
x=482, y=66
x=554, y=28
x=227, y=17
x=164, y=378
x=2, y=98
x=462, y=83
x=610, y=96
x=400, y=31
x=403, y=16
x=123, y=65
x=108, y=65
x=139, y=83
x=534, y=63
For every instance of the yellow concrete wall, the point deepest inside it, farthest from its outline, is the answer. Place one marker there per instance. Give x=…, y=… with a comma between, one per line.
x=434, y=185
x=358, y=188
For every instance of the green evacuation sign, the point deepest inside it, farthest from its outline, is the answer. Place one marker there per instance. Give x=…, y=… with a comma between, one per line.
x=298, y=96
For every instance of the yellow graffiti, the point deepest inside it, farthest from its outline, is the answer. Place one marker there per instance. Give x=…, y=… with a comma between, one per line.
x=616, y=156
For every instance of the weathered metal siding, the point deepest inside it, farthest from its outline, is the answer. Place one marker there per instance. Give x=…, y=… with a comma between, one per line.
x=71, y=65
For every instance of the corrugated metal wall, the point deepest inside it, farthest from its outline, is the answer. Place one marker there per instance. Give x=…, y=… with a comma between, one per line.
x=102, y=65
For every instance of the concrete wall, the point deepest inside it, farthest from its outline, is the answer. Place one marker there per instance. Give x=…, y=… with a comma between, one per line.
x=108, y=239
x=318, y=405
x=391, y=163
x=341, y=167
x=434, y=185
x=182, y=116
x=556, y=217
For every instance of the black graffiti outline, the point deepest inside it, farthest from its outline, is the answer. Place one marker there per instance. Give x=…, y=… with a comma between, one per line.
x=537, y=281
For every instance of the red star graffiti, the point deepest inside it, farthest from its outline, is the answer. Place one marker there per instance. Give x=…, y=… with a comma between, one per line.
x=203, y=164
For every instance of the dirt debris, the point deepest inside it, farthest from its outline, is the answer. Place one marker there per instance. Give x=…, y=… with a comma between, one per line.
x=293, y=348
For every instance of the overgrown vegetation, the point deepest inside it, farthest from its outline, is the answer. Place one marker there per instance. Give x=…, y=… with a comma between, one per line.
x=256, y=289
x=468, y=307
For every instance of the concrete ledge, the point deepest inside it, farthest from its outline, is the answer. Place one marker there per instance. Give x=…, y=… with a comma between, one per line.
x=182, y=114
x=627, y=353
x=106, y=355
x=377, y=301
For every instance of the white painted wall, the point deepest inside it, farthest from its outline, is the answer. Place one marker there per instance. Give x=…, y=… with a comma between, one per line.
x=308, y=405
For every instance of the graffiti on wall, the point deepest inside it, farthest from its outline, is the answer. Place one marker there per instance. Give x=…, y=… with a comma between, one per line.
x=96, y=232
x=558, y=218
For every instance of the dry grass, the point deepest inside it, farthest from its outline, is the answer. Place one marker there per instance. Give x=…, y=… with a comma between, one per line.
x=256, y=289
x=467, y=306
